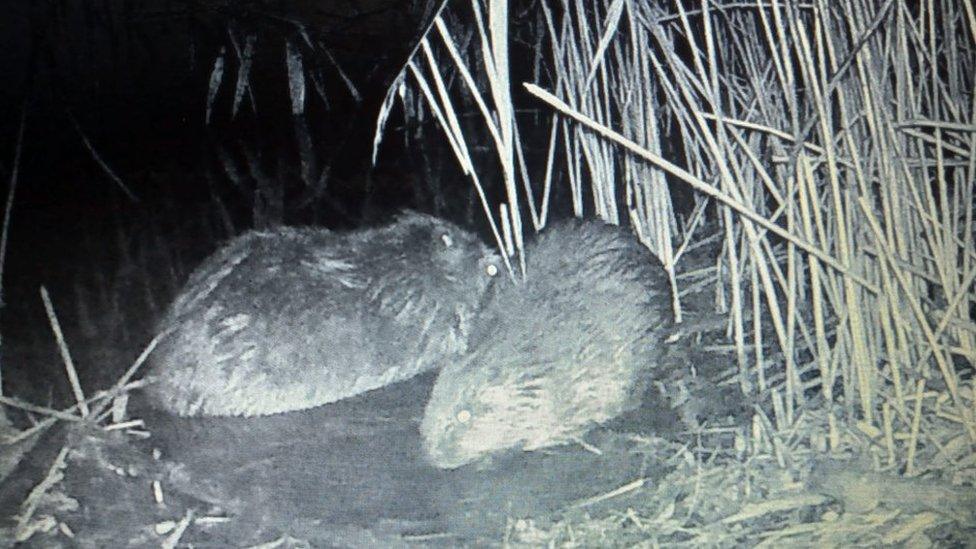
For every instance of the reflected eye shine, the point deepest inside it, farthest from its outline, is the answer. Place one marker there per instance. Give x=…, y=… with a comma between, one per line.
x=446, y=238
x=463, y=416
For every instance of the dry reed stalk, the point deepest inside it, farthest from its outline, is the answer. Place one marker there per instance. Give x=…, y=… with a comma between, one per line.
x=65, y=354
x=24, y=528
x=8, y=207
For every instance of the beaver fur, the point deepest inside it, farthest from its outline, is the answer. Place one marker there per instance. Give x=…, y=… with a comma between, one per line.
x=571, y=347
x=292, y=318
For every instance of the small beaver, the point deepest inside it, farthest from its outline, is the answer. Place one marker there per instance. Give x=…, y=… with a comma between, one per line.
x=292, y=318
x=548, y=359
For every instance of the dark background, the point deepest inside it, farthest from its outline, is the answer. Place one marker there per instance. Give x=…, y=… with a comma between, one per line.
x=128, y=81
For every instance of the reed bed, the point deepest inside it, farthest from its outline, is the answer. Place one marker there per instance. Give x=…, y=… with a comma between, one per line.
x=835, y=143
x=831, y=143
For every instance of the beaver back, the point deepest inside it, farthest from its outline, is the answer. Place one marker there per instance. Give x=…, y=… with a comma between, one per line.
x=292, y=318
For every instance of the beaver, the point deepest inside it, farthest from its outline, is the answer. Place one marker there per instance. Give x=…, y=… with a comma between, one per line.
x=570, y=348
x=292, y=318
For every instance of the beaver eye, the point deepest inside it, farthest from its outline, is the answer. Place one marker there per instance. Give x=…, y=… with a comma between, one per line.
x=446, y=238
x=491, y=270
x=463, y=416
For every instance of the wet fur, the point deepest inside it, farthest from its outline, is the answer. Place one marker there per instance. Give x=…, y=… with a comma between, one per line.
x=571, y=348
x=293, y=318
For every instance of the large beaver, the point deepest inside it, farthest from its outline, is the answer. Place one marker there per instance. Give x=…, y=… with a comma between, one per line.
x=570, y=348
x=293, y=318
